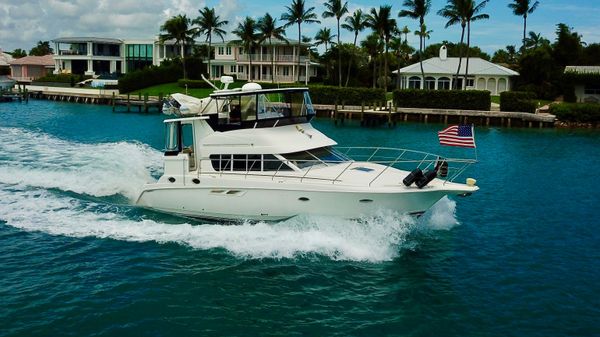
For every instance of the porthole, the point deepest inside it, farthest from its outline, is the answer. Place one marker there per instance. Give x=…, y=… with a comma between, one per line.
x=172, y=180
x=196, y=181
x=365, y=201
x=303, y=199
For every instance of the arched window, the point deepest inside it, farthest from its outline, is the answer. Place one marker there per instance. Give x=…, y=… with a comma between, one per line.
x=414, y=82
x=430, y=83
x=443, y=83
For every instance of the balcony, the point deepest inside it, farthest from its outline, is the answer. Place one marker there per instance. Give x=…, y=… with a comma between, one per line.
x=268, y=78
x=268, y=57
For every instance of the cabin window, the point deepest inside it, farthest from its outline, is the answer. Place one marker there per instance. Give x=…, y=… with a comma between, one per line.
x=247, y=163
x=248, y=107
x=319, y=156
x=172, y=137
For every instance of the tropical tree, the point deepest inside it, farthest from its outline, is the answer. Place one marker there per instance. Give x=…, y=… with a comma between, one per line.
x=456, y=12
x=297, y=14
x=424, y=34
x=178, y=28
x=473, y=14
x=246, y=32
x=535, y=40
x=405, y=31
x=355, y=23
x=335, y=8
x=417, y=9
x=18, y=53
x=268, y=30
x=372, y=45
x=324, y=37
x=382, y=23
x=523, y=8
x=42, y=48
x=208, y=23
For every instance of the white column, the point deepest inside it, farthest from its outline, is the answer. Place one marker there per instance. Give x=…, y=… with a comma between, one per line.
x=89, y=49
x=497, y=80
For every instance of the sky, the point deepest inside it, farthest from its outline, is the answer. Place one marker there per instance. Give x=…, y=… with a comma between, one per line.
x=24, y=22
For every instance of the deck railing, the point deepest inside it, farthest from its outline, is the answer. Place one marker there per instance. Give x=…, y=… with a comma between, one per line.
x=347, y=158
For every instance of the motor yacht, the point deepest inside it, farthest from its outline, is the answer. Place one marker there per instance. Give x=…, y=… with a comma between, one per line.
x=252, y=154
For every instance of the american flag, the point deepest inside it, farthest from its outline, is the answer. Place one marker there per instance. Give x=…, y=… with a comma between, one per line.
x=458, y=135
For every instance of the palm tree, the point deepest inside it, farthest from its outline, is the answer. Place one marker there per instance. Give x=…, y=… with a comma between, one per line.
x=178, y=28
x=382, y=23
x=298, y=14
x=424, y=34
x=523, y=8
x=324, y=37
x=208, y=23
x=473, y=15
x=405, y=31
x=536, y=40
x=417, y=9
x=372, y=45
x=246, y=31
x=335, y=8
x=267, y=26
x=356, y=24
x=456, y=12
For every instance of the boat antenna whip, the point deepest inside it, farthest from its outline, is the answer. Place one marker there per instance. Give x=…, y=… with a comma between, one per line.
x=209, y=82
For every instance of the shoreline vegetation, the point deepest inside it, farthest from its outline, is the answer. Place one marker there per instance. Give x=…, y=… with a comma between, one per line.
x=366, y=65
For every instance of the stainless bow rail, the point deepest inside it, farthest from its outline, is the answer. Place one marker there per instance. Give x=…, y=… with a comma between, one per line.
x=346, y=159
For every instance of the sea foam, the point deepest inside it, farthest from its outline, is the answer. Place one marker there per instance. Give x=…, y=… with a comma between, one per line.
x=39, y=160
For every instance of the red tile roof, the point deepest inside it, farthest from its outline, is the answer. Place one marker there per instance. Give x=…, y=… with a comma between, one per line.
x=46, y=60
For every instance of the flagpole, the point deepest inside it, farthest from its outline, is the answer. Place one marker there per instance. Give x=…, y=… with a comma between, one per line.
x=474, y=143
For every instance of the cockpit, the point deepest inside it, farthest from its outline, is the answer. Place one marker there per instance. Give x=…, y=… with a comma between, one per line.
x=261, y=108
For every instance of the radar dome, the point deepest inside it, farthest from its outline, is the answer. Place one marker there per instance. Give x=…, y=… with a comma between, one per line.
x=251, y=86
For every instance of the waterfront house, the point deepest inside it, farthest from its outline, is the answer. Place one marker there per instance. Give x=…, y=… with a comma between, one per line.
x=5, y=59
x=440, y=73
x=587, y=88
x=28, y=68
x=230, y=58
x=100, y=56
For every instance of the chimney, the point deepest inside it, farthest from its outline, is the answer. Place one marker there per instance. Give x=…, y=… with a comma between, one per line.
x=443, y=53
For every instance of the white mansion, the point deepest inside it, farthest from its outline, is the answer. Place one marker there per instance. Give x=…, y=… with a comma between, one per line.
x=440, y=74
x=231, y=59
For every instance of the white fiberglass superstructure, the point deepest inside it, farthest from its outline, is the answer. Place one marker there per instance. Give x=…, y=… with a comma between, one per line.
x=252, y=153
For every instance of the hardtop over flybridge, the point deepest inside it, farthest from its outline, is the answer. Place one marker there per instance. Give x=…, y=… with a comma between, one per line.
x=251, y=153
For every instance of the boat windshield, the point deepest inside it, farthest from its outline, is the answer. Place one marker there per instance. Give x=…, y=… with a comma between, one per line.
x=263, y=109
x=319, y=156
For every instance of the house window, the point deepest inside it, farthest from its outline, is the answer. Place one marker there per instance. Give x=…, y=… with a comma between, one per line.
x=414, y=82
x=232, y=69
x=286, y=71
x=470, y=82
x=592, y=90
x=221, y=50
x=430, y=83
x=228, y=50
x=443, y=83
x=241, y=69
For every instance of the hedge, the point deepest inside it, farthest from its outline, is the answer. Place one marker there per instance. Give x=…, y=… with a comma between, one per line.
x=62, y=78
x=518, y=101
x=150, y=76
x=576, y=112
x=328, y=94
x=443, y=99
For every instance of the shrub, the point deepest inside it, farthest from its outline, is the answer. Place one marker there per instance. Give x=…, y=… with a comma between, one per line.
x=328, y=94
x=443, y=99
x=576, y=112
x=139, y=79
x=518, y=101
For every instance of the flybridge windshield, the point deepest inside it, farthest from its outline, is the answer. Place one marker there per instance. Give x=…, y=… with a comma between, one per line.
x=263, y=109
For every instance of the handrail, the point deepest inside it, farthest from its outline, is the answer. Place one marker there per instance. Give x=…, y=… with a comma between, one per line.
x=409, y=158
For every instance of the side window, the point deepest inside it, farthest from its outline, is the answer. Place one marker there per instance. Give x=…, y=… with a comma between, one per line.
x=171, y=137
x=187, y=137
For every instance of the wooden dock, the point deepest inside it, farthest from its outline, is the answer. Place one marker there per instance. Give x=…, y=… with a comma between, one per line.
x=144, y=102
x=390, y=115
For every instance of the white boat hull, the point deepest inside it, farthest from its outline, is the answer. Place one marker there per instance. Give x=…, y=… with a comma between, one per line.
x=227, y=201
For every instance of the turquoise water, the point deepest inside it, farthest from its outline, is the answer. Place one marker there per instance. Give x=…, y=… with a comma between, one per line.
x=519, y=258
